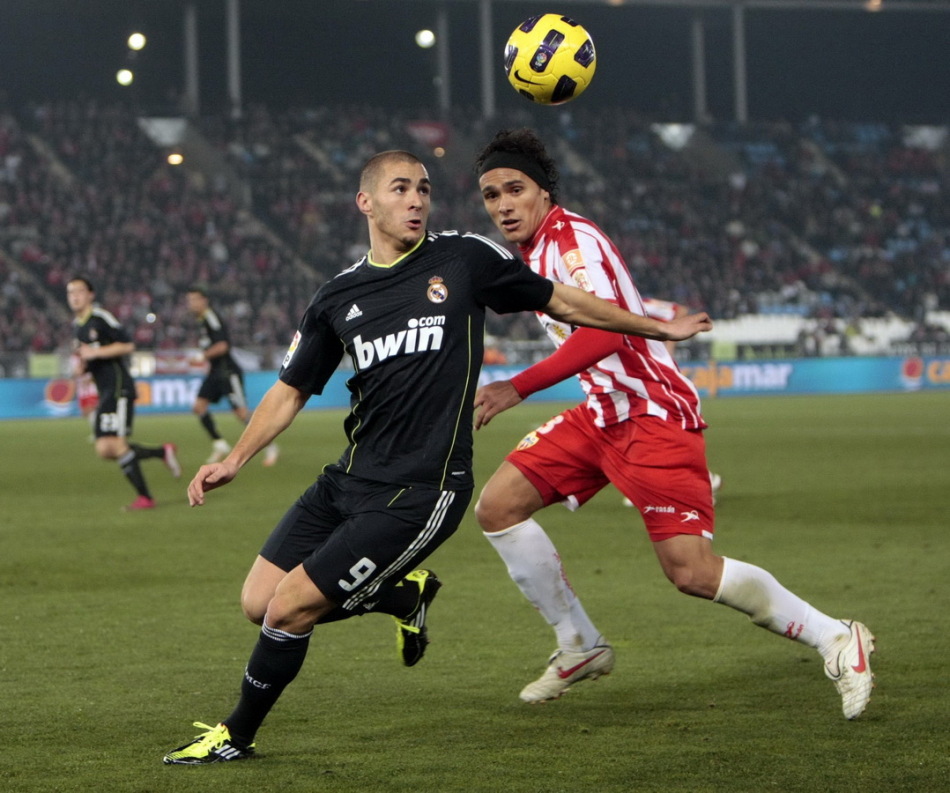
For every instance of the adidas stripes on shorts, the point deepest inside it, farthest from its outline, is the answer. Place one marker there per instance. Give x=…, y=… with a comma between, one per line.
x=354, y=535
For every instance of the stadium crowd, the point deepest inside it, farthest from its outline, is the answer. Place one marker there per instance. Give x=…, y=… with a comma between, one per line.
x=94, y=195
x=832, y=221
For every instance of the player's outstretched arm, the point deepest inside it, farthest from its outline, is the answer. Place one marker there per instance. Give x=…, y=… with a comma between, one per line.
x=577, y=307
x=273, y=415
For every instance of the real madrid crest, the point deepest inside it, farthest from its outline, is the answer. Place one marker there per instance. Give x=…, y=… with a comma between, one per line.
x=437, y=292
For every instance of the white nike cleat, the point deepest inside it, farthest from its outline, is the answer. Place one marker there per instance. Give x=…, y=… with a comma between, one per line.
x=566, y=668
x=271, y=453
x=219, y=450
x=170, y=458
x=849, y=668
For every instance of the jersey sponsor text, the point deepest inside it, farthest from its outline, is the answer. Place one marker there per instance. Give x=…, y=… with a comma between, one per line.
x=423, y=335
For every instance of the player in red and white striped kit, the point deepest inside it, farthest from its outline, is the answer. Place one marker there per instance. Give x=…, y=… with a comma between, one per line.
x=640, y=429
x=667, y=311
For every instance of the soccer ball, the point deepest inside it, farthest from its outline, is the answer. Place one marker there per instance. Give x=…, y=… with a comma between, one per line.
x=550, y=59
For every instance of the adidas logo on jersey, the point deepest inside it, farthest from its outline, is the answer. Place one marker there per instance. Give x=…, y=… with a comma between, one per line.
x=353, y=313
x=424, y=334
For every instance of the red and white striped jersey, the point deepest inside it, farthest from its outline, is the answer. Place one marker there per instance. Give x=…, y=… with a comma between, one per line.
x=641, y=379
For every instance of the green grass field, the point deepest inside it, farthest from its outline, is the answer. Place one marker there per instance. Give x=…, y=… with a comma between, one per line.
x=118, y=630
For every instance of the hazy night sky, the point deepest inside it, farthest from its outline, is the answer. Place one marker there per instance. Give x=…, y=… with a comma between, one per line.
x=837, y=64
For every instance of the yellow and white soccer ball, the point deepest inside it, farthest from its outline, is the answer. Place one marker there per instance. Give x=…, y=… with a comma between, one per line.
x=550, y=59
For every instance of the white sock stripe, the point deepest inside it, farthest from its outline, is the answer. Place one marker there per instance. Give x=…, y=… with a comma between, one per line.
x=424, y=538
x=282, y=636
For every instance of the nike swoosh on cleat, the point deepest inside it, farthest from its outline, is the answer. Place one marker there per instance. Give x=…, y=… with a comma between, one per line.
x=566, y=673
x=862, y=664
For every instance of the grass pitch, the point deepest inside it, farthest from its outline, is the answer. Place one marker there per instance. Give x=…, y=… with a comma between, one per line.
x=118, y=630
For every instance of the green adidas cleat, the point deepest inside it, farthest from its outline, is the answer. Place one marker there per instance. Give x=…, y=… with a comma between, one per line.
x=411, y=635
x=212, y=746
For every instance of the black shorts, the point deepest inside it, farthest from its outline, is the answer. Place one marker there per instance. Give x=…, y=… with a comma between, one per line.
x=216, y=387
x=355, y=536
x=114, y=416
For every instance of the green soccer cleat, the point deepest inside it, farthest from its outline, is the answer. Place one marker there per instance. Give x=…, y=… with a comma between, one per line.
x=212, y=746
x=411, y=634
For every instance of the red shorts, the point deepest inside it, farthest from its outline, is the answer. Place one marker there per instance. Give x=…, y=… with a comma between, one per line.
x=86, y=393
x=660, y=467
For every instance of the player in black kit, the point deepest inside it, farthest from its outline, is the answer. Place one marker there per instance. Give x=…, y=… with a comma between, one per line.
x=225, y=378
x=102, y=346
x=410, y=315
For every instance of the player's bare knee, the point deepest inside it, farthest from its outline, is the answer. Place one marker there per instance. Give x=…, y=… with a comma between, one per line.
x=286, y=612
x=279, y=615
x=493, y=515
x=484, y=514
x=692, y=581
x=107, y=451
x=254, y=610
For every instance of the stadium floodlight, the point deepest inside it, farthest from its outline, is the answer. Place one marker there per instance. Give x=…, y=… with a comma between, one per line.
x=137, y=41
x=124, y=77
x=425, y=39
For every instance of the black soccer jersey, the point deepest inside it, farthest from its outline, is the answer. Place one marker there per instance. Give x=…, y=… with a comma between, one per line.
x=214, y=330
x=414, y=331
x=112, y=375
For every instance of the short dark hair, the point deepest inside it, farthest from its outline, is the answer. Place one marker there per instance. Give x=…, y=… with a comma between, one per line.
x=526, y=143
x=198, y=289
x=84, y=280
x=370, y=173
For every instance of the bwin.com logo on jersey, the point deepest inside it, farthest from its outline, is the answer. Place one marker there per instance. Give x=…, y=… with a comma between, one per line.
x=423, y=335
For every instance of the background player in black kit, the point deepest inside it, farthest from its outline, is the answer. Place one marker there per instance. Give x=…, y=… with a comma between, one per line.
x=225, y=378
x=410, y=314
x=102, y=346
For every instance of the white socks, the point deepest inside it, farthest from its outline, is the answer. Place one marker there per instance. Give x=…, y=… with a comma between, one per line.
x=535, y=566
x=755, y=592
